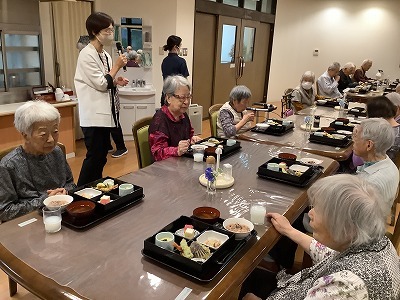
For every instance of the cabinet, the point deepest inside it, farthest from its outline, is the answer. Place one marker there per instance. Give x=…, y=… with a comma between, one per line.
x=132, y=110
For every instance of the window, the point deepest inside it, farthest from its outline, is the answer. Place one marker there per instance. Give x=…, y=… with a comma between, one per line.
x=131, y=33
x=248, y=43
x=21, y=66
x=228, y=44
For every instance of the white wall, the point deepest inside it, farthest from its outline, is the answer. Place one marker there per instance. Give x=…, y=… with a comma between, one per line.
x=47, y=40
x=343, y=31
x=163, y=17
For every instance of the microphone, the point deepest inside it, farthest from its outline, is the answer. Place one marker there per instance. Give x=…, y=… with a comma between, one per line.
x=119, y=48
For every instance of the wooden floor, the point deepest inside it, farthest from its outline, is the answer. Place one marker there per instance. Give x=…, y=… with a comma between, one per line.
x=115, y=167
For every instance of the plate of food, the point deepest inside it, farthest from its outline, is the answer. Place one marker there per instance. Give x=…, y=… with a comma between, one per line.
x=311, y=161
x=88, y=193
x=187, y=232
x=212, y=239
x=346, y=132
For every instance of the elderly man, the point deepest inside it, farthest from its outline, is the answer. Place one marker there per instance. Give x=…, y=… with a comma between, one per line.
x=372, y=138
x=329, y=81
x=345, y=81
x=359, y=74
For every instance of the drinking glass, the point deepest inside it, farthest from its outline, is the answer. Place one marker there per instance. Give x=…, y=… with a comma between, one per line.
x=258, y=209
x=52, y=219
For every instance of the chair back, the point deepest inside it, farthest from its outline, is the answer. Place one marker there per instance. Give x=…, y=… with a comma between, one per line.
x=213, y=114
x=4, y=152
x=140, y=130
x=286, y=102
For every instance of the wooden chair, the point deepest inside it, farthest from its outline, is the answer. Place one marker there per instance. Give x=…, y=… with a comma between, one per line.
x=395, y=237
x=140, y=130
x=286, y=102
x=213, y=114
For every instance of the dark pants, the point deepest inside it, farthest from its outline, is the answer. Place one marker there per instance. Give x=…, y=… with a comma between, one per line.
x=97, y=140
x=118, y=138
x=260, y=282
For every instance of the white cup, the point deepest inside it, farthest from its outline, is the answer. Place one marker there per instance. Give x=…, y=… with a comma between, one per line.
x=198, y=153
x=125, y=189
x=257, y=212
x=165, y=240
x=66, y=97
x=59, y=94
x=52, y=219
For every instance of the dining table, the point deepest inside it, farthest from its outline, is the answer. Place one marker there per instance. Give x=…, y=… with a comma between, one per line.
x=106, y=261
x=297, y=139
x=363, y=97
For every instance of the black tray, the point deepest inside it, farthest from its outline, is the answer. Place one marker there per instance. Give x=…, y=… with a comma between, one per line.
x=274, y=129
x=202, y=272
x=226, y=150
x=328, y=103
x=343, y=143
x=307, y=177
x=357, y=111
x=342, y=127
x=102, y=212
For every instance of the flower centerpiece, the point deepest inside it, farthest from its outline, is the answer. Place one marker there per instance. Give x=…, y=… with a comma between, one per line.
x=211, y=176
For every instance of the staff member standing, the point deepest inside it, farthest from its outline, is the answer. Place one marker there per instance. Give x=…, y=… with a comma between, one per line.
x=173, y=64
x=96, y=88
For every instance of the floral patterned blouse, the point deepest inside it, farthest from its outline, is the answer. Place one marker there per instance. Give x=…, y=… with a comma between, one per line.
x=370, y=271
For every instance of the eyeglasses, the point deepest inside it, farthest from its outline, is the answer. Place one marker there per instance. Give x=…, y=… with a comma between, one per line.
x=182, y=98
x=108, y=30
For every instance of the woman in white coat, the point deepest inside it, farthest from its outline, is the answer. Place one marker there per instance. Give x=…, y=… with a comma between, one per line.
x=95, y=84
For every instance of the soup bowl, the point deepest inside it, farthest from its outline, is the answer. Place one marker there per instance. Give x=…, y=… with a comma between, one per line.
x=206, y=214
x=239, y=226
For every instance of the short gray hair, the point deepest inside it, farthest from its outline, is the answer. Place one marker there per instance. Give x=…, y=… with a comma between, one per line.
x=366, y=61
x=131, y=55
x=239, y=93
x=172, y=83
x=349, y=206
x=349, y=65
x=32, y=112
x=394, y=98
x=380, y=132
x=335, y=66
x=308, y=74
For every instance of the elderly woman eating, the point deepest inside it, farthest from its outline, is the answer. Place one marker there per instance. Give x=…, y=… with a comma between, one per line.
x=371, y=139
x=233, y=118
x=329, y=81
x=170, y=132
x=37, y=169
x=353, y=259
x=304, y=94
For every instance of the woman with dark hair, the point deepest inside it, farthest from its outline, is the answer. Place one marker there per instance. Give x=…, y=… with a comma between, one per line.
x=382, y=107
x=96, y=88
x=173, y=64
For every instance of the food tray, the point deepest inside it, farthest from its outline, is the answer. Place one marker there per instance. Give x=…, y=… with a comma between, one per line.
x=274, y=129
x=329, y=103
x=226, y=150
x=102, y=212
x=342, y=127
x=357, y=111
x=203, y=272
x=310, y=175
x=343, y=143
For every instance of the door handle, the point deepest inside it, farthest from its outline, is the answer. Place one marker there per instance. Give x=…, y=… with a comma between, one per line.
x=238, y=68
x=241, y=65
x=128, y=107
x=141, y=107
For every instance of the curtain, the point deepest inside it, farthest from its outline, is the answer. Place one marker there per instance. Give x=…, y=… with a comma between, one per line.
x=68, y=24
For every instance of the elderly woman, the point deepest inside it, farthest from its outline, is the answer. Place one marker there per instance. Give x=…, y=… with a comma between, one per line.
x=37, y=169
x=345, y=81
x=233, y=118
x=382, y=107
x=371, y=139
x=304, y=94
x=359, y=74
x=329, y=81
x=132, y=57
x=353, y=257
x=395, y=99
x=170, y=132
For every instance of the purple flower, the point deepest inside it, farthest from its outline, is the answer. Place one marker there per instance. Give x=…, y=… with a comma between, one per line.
x=328, y=279
x=209, y=173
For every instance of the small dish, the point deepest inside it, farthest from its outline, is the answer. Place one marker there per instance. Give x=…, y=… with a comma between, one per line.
x=262, y=125
x=58, y=201
x=212, y=239
x=321, y=101
x=180, y=233
x=239, y=226
x=311, y=161
x=328, y=129
x=344, y=132
x=338, y=136
x=299, y=168
x=88, y=193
